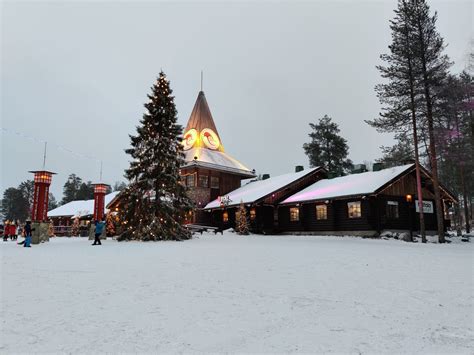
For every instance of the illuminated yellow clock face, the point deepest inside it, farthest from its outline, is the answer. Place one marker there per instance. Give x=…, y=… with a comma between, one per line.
x=189, y=139
x=210, y=139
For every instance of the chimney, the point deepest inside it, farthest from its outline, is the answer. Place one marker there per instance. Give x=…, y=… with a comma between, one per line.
x=265, y=176
x=298, y=168
x=377, y=166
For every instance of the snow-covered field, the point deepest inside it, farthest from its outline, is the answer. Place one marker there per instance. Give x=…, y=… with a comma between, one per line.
x=238, y=294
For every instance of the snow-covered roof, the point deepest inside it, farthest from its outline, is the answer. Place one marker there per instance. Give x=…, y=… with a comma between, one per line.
x=79, y=208
x=215, y=160
x=350, y=185
x=258, y=189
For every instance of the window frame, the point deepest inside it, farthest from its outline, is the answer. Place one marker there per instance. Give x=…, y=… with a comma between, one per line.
x=319, y=206
x=201, y=179
x=359, y=209
x=294, y=214
x=388, y=209
x=213, y=180
x=193, y=176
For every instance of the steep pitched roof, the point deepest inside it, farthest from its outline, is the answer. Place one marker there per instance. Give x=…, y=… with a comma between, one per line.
x=201, y=118
x=202, y=143
x=258, y=190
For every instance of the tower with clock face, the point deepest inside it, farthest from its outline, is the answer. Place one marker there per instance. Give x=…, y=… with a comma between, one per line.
x=208, y=172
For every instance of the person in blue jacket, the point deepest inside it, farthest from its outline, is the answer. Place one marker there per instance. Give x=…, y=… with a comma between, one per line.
x=28, y=231
x=99, y=227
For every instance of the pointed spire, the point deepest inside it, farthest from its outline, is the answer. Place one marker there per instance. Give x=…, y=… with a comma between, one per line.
x=201, y=120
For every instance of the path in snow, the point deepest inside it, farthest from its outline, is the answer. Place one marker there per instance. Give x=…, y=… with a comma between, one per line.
x=231, y=293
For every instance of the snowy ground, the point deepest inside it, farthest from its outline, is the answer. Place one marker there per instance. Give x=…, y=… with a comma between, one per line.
x=238, y=294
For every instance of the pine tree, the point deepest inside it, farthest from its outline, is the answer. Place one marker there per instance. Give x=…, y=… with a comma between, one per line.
x=70, y=189
x=110, y=225
x=327, y=148
x=155, y=202
x=433, y=66
x=75, y=227
x=400, y=94
x=455, y=141
x=399, y=153
x=242, y=223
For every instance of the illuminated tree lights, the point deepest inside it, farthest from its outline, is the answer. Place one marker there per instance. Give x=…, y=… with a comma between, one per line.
x=155, y=203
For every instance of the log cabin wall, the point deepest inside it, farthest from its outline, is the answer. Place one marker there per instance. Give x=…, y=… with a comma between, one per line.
x=406, y=185
x=311, y=222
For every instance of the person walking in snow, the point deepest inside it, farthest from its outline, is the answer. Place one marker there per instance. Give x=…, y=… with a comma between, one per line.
x=6, y=231
x=28, y=231
x=99, y=227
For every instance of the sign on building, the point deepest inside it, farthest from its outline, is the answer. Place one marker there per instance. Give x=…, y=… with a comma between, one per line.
x=427, y=206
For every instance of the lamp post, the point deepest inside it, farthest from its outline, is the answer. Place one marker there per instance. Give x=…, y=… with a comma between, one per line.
x=39, y=210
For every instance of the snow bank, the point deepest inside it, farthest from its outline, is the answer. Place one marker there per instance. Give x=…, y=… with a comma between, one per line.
x=238, y=294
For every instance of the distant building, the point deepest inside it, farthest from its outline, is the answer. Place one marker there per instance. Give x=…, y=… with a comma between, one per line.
x=64, y=215
x=358, y=204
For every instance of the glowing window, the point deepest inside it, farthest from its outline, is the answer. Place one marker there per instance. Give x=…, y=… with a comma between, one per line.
x=225, y=217
x=321, y=212
x=214, y=182
x=392, y=209
x=253, y=214
x=354, y=209
x=203, y=181
x=294, y=214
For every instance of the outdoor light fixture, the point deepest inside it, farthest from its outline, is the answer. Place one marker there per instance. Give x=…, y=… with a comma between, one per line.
x=409, y=198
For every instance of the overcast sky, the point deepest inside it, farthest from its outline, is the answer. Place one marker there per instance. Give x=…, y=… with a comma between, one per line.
x=76, y=74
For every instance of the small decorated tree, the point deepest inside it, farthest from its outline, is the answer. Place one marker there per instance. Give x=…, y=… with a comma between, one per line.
x=51, y=229
x=110, y=224
x=242, y=223
x=75, y=227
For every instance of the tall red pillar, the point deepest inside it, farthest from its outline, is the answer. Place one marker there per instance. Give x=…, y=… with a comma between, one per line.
x=100, y=190
x=42, y=179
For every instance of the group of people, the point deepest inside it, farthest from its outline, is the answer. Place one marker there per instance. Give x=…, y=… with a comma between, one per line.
x=12, y=230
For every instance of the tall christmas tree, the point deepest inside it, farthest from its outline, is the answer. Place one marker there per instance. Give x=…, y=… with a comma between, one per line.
x=242, y=223
x=155, y=202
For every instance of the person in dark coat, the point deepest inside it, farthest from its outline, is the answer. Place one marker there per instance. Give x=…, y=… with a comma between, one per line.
x=99, y=227
x=28, y=231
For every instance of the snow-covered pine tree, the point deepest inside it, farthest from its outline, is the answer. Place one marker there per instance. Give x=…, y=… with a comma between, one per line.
x=75, y=227
x=242, y=223
x=155, y=202
x=110, y=225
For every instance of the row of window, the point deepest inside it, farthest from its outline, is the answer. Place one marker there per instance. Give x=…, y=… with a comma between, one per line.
x=225, y=215
x=190, y=181
x=354, y=210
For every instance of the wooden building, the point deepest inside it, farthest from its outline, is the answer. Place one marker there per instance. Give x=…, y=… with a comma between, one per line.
x=64, y=215
x=208, y=172
x=261, y=199
x=359, y=204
